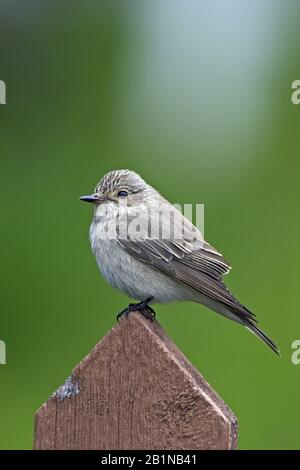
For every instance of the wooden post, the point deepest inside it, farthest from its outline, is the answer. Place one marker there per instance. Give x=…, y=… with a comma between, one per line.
x=135, y=390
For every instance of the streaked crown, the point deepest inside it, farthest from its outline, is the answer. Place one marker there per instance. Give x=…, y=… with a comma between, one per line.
x=117, y=179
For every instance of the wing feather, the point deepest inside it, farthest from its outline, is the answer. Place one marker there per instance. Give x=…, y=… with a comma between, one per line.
x=189, y=260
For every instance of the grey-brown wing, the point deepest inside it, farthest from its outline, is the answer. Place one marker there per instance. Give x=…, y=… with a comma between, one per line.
x=200, y=269
x=188, y=246
x=202, y=257
x=183, y=255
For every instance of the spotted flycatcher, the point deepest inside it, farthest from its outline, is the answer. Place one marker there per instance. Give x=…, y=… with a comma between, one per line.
x=147, y=249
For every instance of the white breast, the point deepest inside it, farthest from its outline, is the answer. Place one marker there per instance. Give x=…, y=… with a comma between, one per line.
x=131, y=276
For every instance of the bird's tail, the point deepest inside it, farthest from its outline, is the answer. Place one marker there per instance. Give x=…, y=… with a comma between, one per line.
x=240, y=314
x=243, y=316
x=216, y=296
x=261, y=335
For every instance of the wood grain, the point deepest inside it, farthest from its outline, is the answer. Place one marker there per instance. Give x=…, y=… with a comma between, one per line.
x=135, y=390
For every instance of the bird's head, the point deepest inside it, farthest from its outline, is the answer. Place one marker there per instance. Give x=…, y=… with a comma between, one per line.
x=120, y=186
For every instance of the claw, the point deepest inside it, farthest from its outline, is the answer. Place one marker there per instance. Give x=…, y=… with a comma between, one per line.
x=142, y=307
x=148, y=314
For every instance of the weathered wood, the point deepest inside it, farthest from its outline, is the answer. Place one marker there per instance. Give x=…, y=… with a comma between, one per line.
x=135, y=390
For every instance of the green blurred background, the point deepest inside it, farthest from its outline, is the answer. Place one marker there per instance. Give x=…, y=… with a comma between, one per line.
x=195, y=96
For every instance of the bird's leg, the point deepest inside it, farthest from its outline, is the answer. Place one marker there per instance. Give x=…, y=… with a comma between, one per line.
x=142, y=307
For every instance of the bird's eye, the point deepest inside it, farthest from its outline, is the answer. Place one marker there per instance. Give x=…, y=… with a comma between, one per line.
x=122, y=194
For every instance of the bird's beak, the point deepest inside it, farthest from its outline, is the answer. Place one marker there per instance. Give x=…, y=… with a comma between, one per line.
x=94, y=198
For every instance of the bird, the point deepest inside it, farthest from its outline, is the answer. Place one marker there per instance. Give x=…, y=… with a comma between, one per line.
x=132, y=237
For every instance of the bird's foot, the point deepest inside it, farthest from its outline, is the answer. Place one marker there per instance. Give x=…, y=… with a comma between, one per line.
x=142, y=307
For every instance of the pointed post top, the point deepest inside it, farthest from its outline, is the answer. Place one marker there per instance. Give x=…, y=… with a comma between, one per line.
x=135, y=390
